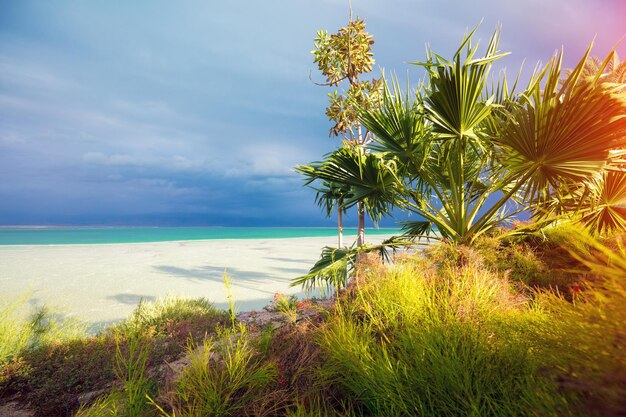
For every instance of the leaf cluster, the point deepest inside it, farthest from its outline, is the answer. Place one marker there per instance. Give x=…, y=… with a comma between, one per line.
x=344, y=56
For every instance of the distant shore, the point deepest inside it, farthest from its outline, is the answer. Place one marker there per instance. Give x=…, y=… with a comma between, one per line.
x=46, y=235
x=101, y=284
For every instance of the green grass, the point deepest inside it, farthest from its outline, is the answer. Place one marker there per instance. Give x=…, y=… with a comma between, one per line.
x=172, y=315
x=22, y=331
x=131, y=359
x=223, y=377
x=106, y=406
x=130, y=396
x=448, y=342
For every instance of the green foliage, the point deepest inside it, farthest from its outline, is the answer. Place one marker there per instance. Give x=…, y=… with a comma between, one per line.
x=131, y=397
x=601, y=201
x=561, y=130
x=456, y=145
x=351, y=167
x=586, y=339
x=20, y=332
x=467, y=157
x=287, y=306
x=53, y=375
x=232, y=313
x=320, y=408
x=222, y=378
x=161, y=315
x=131, y=358
x=441, y=142
x=456, y=342
x=346, y=55
x=330, y=271
x=106, y=406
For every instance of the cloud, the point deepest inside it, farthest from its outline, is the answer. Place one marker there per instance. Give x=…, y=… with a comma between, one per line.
x=197, y=112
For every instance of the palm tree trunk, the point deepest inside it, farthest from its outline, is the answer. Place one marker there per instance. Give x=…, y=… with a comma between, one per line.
x=361, y=227
x=340, y=221
x=360, y=241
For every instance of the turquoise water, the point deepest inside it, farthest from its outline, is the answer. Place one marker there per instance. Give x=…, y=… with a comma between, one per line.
x=84, y=235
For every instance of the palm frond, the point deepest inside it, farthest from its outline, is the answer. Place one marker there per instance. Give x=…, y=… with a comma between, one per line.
x=331, y=271
x=399, y=128
x=455, y=103
x=604, y=210
x=370, y=177
x=563, y=132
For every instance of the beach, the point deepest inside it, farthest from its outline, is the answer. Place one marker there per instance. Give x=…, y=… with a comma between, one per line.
x=102, y=283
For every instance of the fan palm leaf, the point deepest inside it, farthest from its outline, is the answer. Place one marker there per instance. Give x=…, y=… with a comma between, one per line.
x=604, y=209
x=400, y=129
x=563, y=132
x=370, y=178
x=330, y=271
x=454, y=103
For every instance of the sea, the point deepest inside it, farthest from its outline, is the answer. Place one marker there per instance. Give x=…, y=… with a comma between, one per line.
x=104, y=235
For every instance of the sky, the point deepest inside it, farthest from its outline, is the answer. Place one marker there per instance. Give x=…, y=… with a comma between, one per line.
x=194, y=113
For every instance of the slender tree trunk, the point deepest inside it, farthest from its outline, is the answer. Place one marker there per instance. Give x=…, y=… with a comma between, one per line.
x=360, y=241
x=340, y=221
x=361, y=228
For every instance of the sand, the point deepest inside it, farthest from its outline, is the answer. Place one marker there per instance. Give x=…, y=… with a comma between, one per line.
x=101, y=284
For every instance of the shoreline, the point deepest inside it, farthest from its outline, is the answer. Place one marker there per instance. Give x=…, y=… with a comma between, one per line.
x=376, y=237
x=102, y=283
x=33, y=246
x=117, y=235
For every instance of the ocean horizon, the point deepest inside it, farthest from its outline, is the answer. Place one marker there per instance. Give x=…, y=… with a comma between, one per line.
x=80, y=235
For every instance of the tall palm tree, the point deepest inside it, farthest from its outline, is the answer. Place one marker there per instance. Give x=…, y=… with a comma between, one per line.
x=330, y=197
x=357, y=179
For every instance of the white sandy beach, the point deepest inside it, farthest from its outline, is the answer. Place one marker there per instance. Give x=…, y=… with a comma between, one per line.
x=103, y=283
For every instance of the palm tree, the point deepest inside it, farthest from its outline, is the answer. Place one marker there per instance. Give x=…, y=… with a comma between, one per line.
x=612, y=71
x=343, y=175
x=467, y=158
x=600, y=201
x=470, y=158
x=331, y=196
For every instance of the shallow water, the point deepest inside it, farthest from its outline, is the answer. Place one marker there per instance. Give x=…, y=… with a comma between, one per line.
x=95, y=235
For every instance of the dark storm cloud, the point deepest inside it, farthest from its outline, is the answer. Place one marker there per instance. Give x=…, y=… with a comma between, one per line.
x=196, y=112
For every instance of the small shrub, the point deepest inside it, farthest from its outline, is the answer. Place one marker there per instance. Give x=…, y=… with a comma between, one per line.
x=173, y=315
x=20, y=332
x=53, y=375
x=298, y=358
x=59, y=373
x=587, y=340
x=287, y=306
x=222, y=378
x=131, y=359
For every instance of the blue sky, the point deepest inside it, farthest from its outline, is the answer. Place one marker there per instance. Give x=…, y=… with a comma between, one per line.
x=194, y=113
